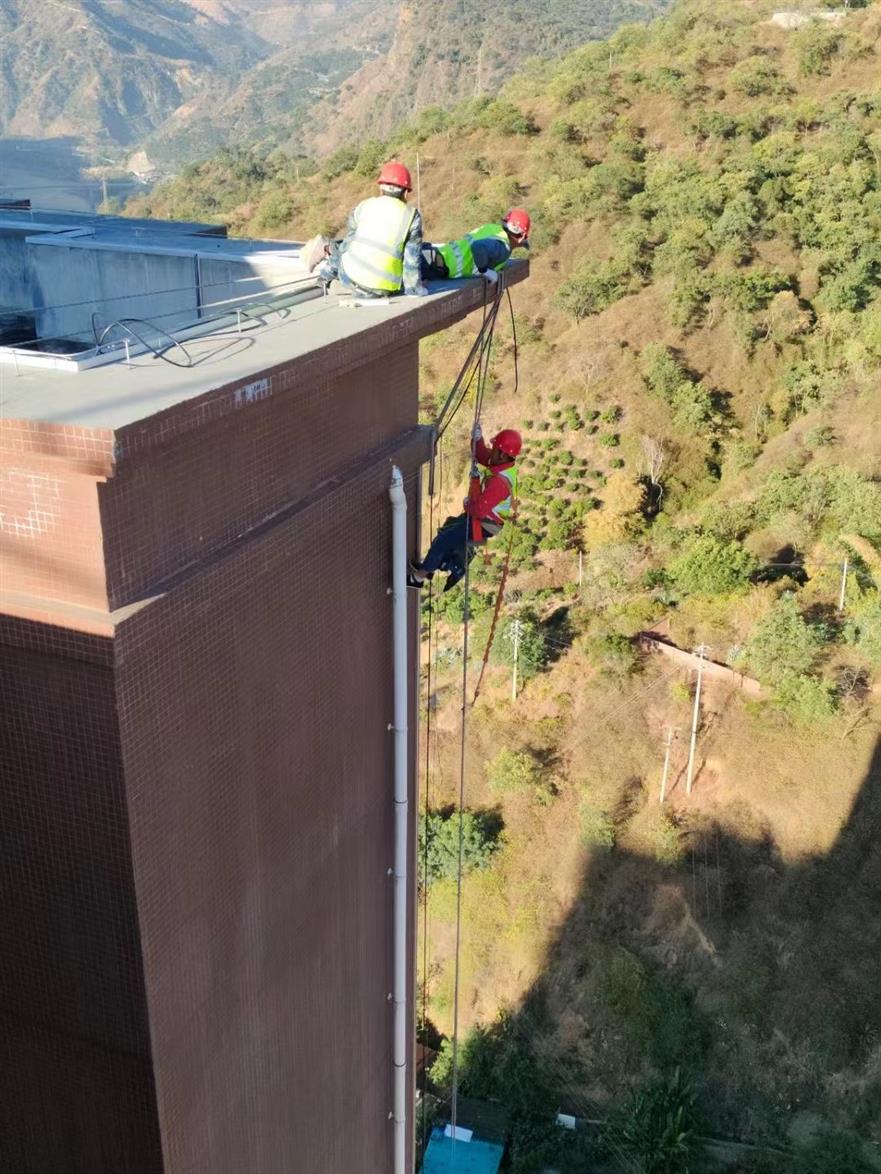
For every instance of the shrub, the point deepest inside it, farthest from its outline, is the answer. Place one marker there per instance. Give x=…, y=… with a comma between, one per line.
x=439, y=843
x=597, y=826
x=753, y=288
x=690, y=401
x=612, y=654
x=656, y=1128
x=610, y=440
x=341, y=161
x=816, y=44
x=512, y=771
x=805, y=699
x=863, y=628
x=277, y=208
x=711, y=566
x=621, y=517
x=371, y=158
x=501, y=116
x=783, y=645
x=755, y=76
x=593, y=287
x=666, y=841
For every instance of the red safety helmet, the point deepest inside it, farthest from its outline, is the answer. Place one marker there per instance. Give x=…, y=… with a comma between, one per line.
x=396, y=175
x=518, y=223
x=508, y=441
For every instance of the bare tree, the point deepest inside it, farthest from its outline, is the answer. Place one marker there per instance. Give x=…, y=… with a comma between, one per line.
x=655, y=454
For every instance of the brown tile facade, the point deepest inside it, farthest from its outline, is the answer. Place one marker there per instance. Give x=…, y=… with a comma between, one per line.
x=196, y=817
x=76, y=1087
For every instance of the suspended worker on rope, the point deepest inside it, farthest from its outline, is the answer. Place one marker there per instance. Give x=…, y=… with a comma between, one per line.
x=381, y=253
x=484, y=251
x=489, y=503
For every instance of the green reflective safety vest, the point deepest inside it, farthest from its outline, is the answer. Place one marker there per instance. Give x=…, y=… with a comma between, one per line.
x=374, y=258
x=504, y=508
x=459, y=255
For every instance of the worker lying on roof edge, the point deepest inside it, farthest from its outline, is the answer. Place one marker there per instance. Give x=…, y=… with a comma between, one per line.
x=451, y=550
x=381, y=252
x=483, y=251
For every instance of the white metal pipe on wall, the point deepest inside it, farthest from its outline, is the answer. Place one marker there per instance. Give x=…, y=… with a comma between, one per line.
x=401, y=680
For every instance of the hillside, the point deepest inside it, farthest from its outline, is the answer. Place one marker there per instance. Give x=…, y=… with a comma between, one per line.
x=699, y=373
x=445, y=50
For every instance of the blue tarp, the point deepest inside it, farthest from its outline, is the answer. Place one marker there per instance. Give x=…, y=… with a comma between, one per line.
x=466, y=1157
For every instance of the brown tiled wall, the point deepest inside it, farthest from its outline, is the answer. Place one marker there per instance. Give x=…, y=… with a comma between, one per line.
x=166, y=509
x=76, y=1087
x=50, y=536
x=254, y=703
x=196, y=827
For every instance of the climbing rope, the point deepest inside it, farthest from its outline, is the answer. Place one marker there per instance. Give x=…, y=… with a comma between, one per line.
x=500, y=596
x=474, y=373
x=482, y=372
x=472, y=366
x=431, y=675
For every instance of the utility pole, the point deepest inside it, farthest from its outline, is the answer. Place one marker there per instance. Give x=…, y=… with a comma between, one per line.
x=669, y=747
x=841, y=596
x=104, y=190
x=517, y=629
x=418, y=181
x=701, y=653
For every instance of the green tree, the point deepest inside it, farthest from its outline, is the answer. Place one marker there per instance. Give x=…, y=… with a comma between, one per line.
x=532, y=644
x=863, y=628
x=439, y=843
x=806, y=699
x=756, y=76
x=816, y=45
x=711, y=566
x=783, y=644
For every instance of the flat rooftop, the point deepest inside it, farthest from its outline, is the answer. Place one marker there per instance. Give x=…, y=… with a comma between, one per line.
x=239, y=310
x=120, y=394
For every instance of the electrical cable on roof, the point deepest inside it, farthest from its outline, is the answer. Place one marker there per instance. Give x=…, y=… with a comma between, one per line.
x=126, y=324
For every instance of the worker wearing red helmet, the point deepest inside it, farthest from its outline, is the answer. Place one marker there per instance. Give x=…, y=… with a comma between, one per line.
x=491, y=504
x=483, y=251
x=381, y=253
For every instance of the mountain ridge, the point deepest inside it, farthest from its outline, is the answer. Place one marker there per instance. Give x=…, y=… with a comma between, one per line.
x=178, y=79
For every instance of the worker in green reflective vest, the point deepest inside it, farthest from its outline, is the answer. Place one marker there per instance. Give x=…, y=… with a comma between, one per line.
x=484, y=251
x=381, y=253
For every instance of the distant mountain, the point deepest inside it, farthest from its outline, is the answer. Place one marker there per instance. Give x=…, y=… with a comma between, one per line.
x=119, y=73
x=447, y=50
x=317, y=46
x=181, y=78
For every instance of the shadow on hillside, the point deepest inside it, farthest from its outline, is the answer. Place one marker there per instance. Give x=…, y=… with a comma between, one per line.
x=760, y=980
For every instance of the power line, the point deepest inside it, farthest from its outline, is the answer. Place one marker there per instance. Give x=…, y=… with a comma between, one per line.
x=701, y=652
